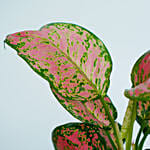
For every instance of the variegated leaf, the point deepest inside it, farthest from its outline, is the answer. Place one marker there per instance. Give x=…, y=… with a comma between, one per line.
x=141, y=73
x=90, y=111
x=81, y=136
x=141, y=69
x=73, y=60
x=140, y=92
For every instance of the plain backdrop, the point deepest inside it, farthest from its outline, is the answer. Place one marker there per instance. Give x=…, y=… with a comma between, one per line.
x=28, y=110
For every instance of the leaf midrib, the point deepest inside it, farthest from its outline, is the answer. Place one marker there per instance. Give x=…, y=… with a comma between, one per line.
x=84, y=75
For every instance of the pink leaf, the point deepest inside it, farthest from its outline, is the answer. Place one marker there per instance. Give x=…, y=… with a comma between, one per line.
x=73, y=60
x=141, y=73
x=90, y=111
x=81, y=136
x=70, y=57
x=140, y=92
x=141, y=69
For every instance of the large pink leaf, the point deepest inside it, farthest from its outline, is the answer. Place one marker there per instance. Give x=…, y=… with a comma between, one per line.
x=90, y=111
x=140, y=92
x=73, y=60
x=81, y=136
x=141, y=73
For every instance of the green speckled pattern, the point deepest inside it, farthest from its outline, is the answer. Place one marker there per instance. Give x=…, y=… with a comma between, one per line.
x=90, y=111
x=74, y=61
x=140, y=92
x=141, y=74
x=80, y=136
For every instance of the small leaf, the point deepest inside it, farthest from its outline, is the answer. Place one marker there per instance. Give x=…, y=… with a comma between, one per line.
x=80, y=136
x=141, y=73
x=90, y=111
x=141, y=92
x=72, y=59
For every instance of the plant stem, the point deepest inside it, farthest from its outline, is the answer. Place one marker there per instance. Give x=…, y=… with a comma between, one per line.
x=111, y=140
x=142, y=142
x=133, y=147
x=138, y=137
x=127, y=120
x=119, y=135
x=114, y=126
x=129, y=136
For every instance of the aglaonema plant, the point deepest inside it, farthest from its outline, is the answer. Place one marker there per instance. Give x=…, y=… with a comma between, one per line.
x=77, y=66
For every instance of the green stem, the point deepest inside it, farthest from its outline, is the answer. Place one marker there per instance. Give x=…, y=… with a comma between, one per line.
x=138, y=137
x=110, y=139
x=129, y=136
x=114, y=126
x=142, y=142
x=133, y=147
x=119, y=135
x=127, y=120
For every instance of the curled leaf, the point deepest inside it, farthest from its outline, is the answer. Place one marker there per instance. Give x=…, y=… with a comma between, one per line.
x=140, y=92
x=81, y=136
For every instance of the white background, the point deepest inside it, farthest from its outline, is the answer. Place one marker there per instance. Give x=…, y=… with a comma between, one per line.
x=28, y=110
